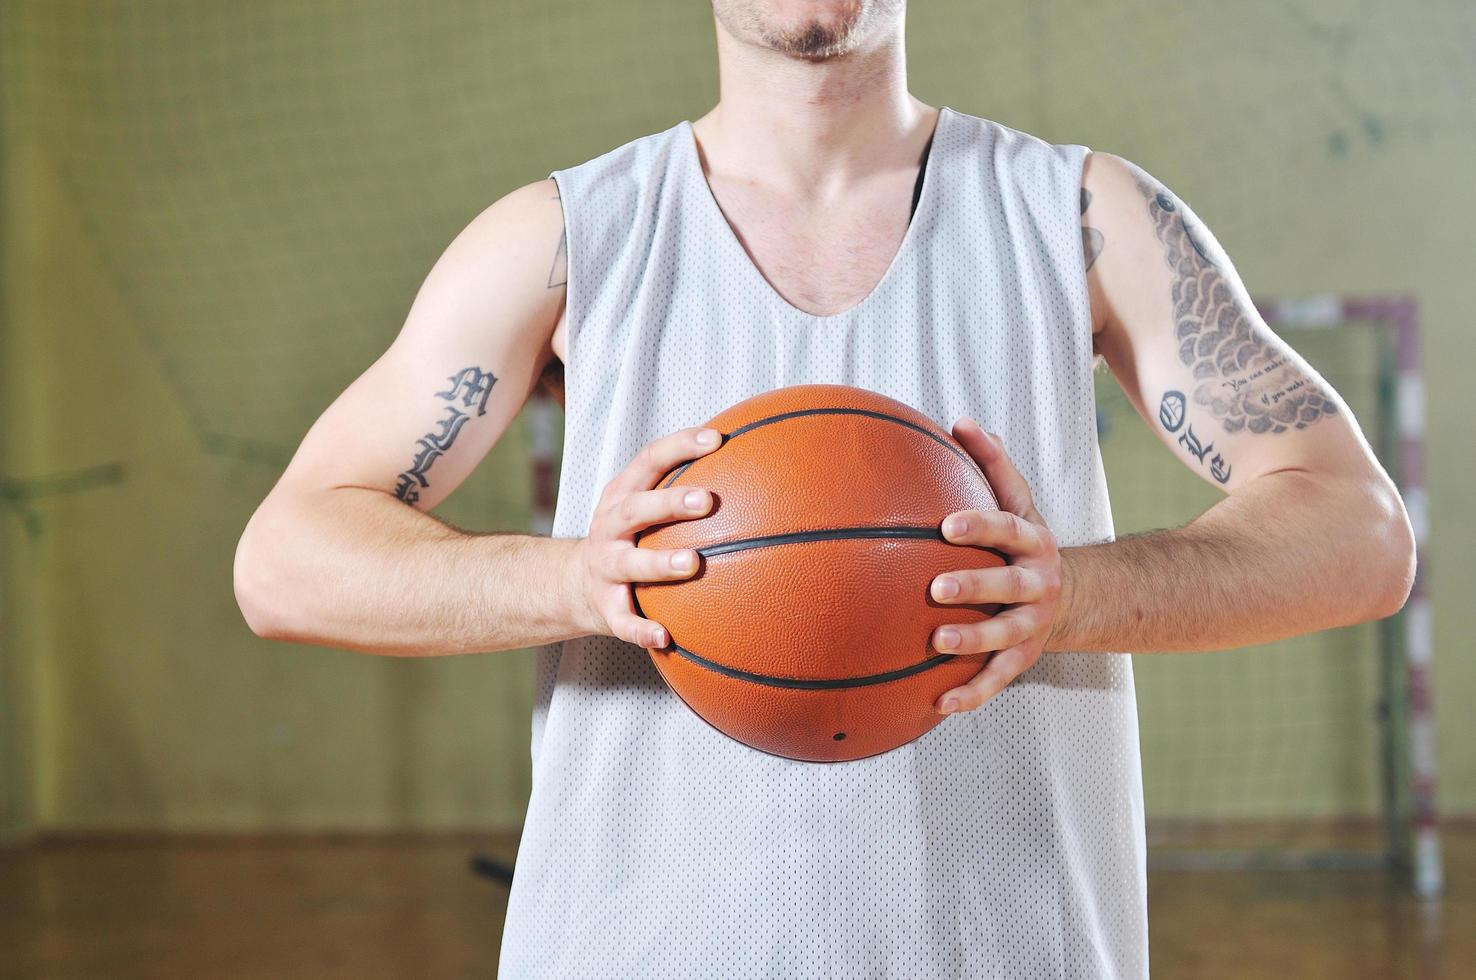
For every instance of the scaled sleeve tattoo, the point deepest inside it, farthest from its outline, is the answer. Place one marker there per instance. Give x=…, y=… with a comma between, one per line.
x=1238, y=377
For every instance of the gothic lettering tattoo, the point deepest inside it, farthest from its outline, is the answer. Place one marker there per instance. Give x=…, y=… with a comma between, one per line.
x=1191, y=442
x=1171, y=417
x=1242, y=379
x=471, y=386
x=1171, y=410
x=1092, y=241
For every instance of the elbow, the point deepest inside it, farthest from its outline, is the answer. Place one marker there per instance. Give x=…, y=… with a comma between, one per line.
x=259, y=588
x=1393, y=550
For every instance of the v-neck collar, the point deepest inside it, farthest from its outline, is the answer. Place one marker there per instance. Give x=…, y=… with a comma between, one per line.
x=693, y=162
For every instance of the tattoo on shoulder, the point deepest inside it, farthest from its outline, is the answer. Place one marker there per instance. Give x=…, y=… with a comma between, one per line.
x=558, y=273
x=1092, y=241
x=1242, y=380
x=468, y=389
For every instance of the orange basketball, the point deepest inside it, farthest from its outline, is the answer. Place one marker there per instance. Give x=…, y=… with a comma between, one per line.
x=806, y=630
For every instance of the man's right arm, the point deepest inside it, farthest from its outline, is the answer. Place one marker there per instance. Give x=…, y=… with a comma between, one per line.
x=343, y=553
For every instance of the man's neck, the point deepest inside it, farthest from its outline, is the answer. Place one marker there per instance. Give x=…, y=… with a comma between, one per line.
x=813, y=130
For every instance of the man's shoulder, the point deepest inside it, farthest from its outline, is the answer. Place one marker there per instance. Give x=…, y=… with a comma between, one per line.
x=1017, y=140
x=634, y=155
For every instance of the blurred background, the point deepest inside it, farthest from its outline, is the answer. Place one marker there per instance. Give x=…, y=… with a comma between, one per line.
x=214, y=215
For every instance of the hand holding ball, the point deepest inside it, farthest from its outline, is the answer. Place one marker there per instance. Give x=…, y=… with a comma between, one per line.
x=805, y=631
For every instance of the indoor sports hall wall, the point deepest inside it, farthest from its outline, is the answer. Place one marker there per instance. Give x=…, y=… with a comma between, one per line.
x=214, y=215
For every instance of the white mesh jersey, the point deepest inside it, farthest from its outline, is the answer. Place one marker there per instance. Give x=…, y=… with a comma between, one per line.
x=1008, y=841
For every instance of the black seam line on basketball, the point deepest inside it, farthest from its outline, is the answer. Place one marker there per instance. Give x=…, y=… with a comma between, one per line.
x=769, y=420
x=830, y=534
x=809, y=684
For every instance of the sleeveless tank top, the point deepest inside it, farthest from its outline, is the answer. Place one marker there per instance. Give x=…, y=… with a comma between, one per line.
x=1007, y=842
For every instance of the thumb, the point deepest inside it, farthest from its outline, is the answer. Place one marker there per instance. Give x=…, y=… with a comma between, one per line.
x=987, y=449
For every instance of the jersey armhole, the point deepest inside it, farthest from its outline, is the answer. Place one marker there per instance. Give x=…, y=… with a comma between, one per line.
x=571, y=320
x=1082, y=154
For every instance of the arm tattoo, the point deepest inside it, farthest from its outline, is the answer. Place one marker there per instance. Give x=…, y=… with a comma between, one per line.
x=471, y=386
x=1092, y=241
x=558, y=273
x=1171, y=417
x=1245, y=382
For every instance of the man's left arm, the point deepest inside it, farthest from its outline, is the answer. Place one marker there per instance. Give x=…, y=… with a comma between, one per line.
x=1311, y=533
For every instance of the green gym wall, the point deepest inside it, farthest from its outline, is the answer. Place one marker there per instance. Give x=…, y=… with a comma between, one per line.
x=216, y=214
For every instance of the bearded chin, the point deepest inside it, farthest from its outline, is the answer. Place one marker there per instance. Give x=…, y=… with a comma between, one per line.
x=815, y=40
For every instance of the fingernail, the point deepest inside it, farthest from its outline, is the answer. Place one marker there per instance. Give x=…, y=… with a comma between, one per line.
x=954, y=526
x=949, y=705
x=658, y=638
x=707, y=437
x=945, y=588
x=947, y=638
x=683, y=561
x=694, y=499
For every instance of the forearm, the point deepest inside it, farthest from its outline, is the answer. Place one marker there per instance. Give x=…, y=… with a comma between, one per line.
x=1286, y=554
x=357, y=569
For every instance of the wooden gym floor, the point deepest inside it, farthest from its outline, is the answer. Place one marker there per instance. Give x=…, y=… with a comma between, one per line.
x=409, y=907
